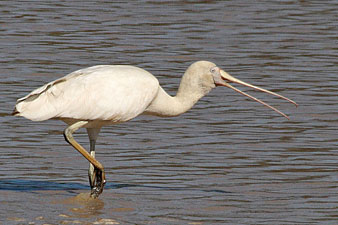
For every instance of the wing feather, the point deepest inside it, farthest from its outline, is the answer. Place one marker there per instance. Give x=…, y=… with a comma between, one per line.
x=115, y=93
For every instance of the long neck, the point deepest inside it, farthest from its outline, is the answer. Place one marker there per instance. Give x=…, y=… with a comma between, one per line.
x=165, y=105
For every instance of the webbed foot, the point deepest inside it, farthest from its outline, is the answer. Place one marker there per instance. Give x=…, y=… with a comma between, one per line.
x=97, y=182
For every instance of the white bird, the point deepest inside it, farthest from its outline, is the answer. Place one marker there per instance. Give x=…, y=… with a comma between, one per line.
x=108, y=94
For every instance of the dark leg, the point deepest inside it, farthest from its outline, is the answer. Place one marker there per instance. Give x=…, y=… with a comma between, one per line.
x=92, y=134
x=98, y=168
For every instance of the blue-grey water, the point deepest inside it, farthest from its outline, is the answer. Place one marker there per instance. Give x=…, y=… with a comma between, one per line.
x=227, y=161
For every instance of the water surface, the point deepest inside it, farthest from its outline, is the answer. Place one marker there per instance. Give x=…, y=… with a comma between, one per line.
x=227, y=161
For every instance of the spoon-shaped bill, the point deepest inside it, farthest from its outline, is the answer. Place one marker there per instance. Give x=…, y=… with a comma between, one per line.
x=227, y=78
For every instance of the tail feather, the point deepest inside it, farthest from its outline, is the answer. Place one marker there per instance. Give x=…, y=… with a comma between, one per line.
x=40, y=104
x=15, y=112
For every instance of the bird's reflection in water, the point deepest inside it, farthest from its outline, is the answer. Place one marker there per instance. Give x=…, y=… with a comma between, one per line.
x=83, y=206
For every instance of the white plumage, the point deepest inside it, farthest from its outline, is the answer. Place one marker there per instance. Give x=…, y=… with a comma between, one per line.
x=94, y=93
x=108, y=94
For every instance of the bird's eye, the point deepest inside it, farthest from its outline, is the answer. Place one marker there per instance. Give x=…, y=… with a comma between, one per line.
x=213, y=70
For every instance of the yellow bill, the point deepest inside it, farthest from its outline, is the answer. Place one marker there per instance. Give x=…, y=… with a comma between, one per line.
x=228, y=79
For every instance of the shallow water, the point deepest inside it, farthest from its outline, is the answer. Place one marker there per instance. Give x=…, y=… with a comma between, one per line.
x=227, y=161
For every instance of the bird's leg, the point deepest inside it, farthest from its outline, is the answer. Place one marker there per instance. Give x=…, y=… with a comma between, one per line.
x=98, y=168
x=92, y=173
x=91, y=169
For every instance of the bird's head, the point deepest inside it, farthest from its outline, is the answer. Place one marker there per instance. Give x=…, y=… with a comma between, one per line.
x=206, y=75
